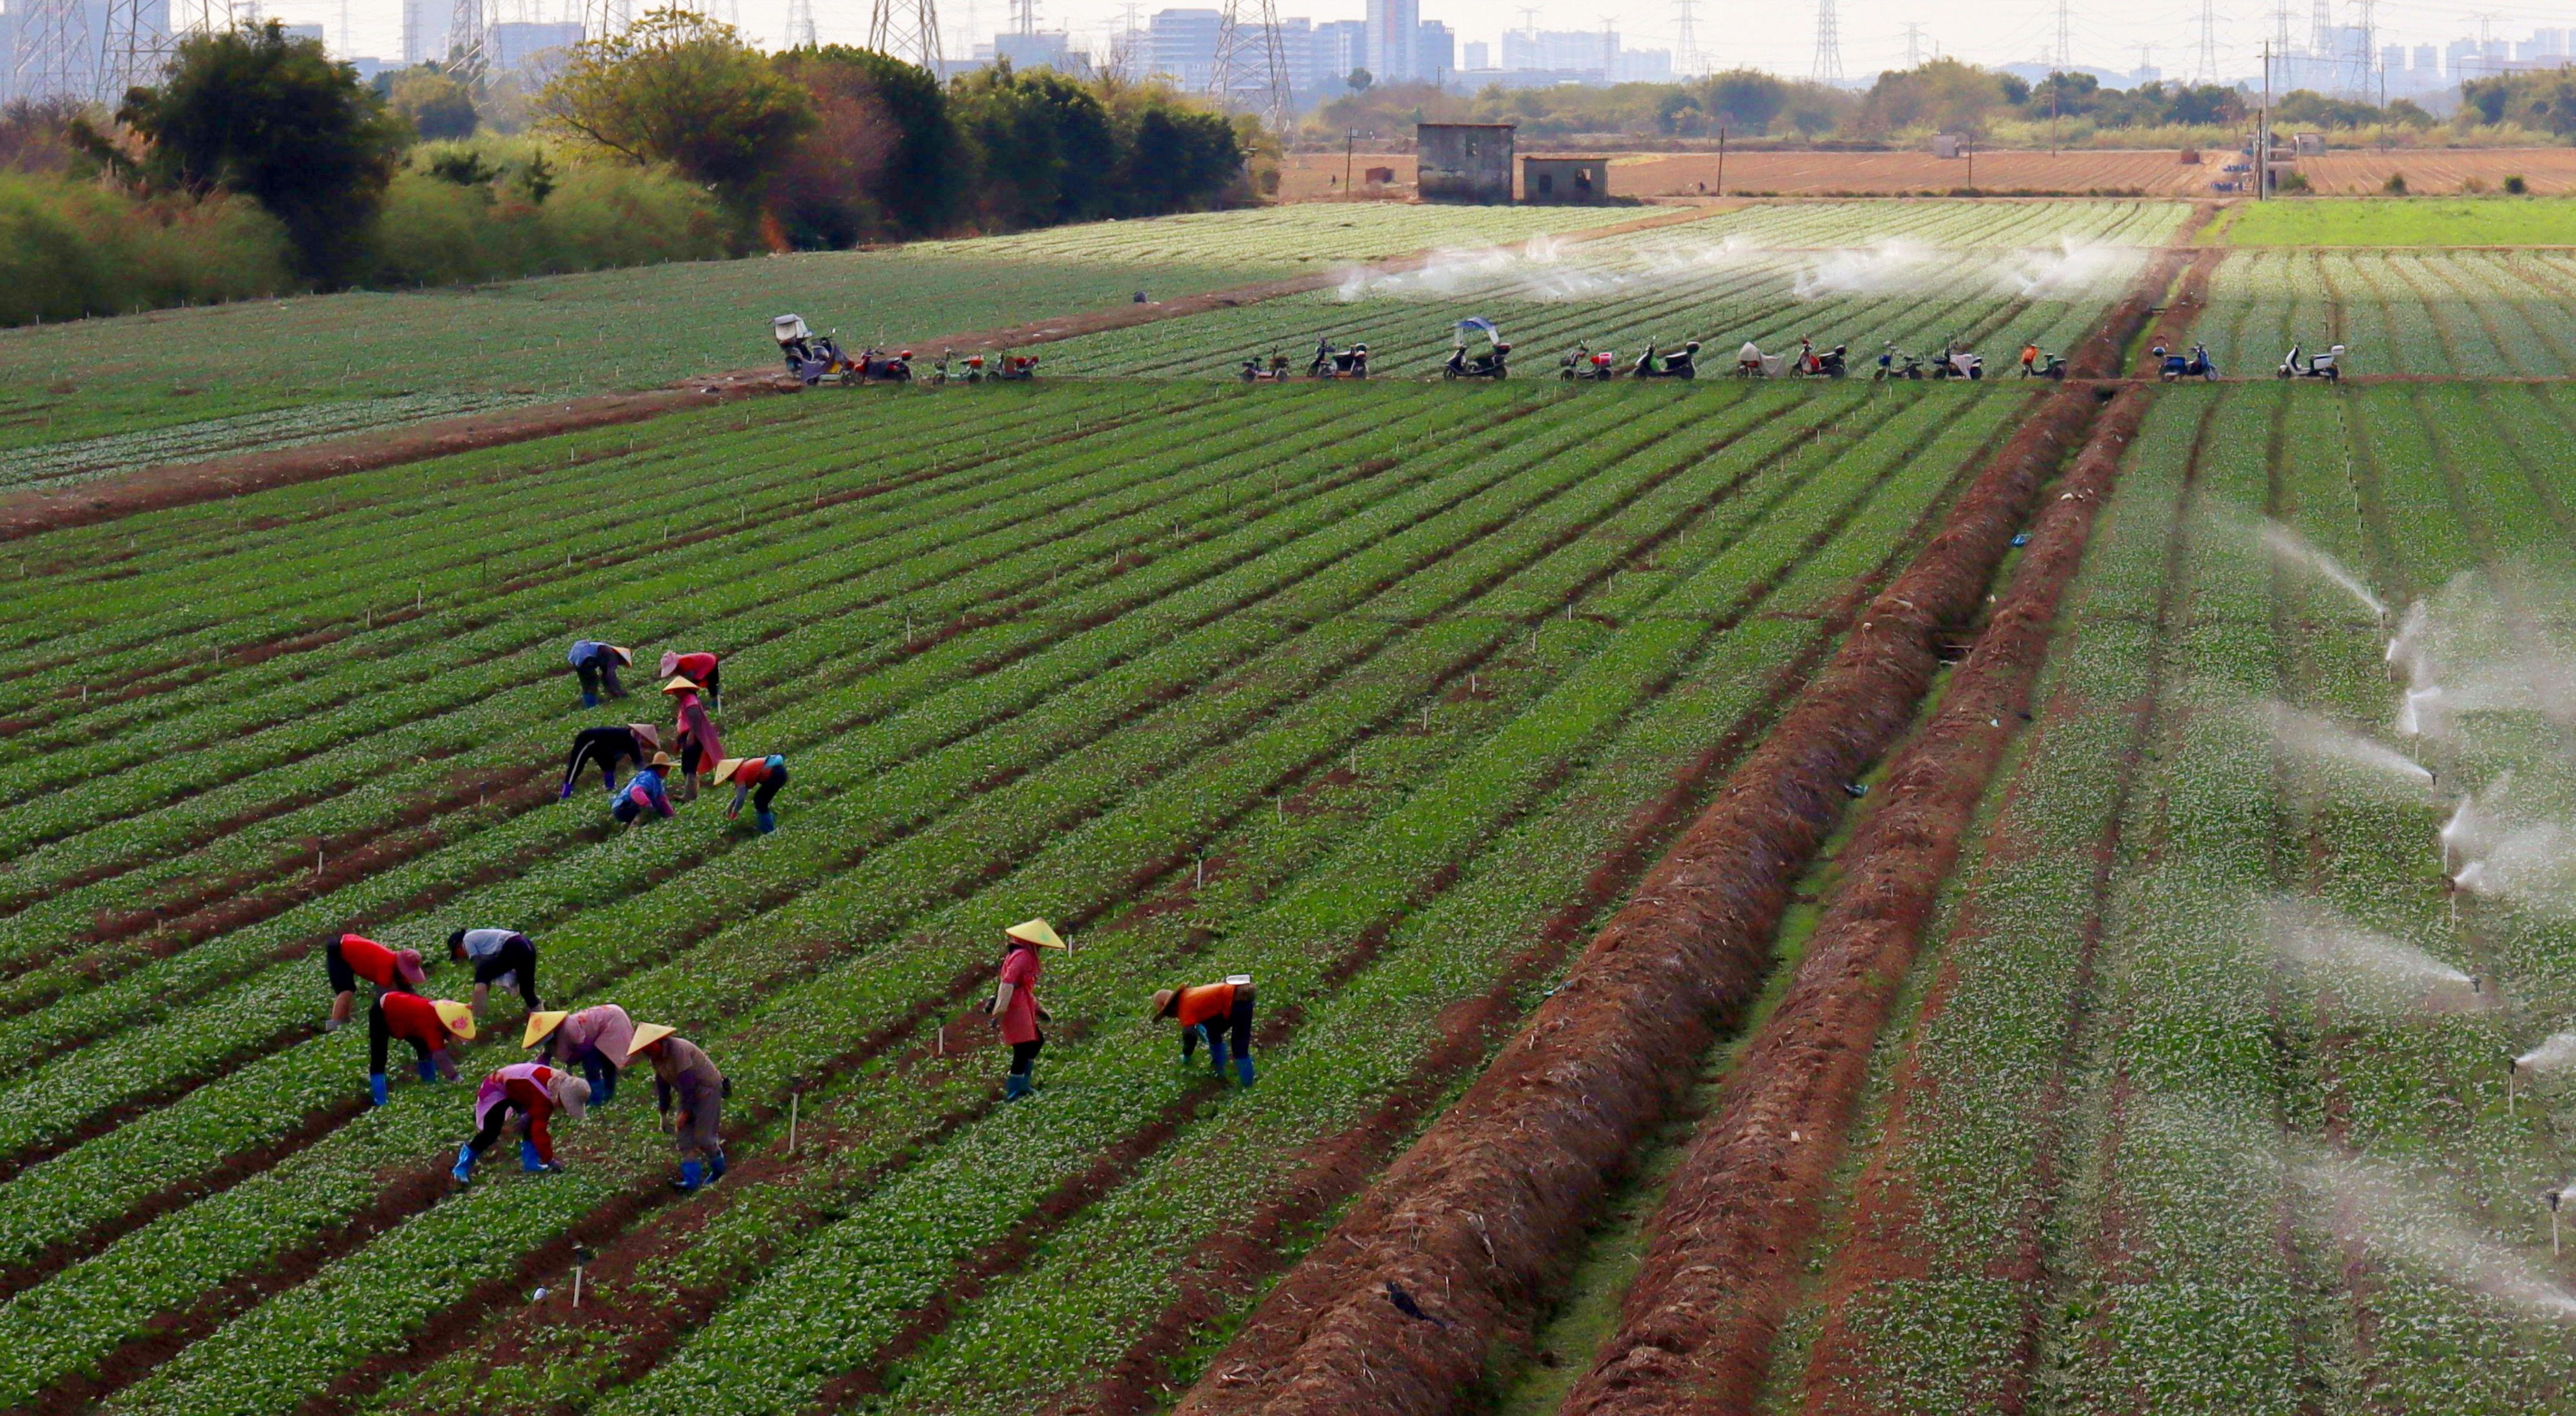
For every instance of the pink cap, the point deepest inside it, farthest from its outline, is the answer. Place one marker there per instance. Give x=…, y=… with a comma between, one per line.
x=408, y=960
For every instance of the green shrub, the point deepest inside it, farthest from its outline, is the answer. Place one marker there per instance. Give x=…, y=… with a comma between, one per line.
x=75, y=249
x=2395, y=186
x=2514, y=185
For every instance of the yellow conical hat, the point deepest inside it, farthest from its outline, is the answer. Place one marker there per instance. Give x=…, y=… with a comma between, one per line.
x=1035, y=931
x=541, y=1026
x=458, y=1017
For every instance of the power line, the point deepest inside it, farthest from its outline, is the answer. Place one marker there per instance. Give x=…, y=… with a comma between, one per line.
x=1828, y=68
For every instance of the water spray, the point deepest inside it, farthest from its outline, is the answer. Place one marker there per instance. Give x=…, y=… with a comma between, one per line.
x=2293, y=549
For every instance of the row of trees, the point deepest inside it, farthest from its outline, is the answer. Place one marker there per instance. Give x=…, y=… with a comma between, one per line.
x=1944, y=95
x=813, y=148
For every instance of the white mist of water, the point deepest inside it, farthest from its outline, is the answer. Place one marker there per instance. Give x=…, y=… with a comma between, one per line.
x=2073, y=270
x=2364, y=966
x=2476, y=822
x=2293, y=549
x=2314, y=737
x=2532, y=866
x=2557, y=1054
x=2403, y=1218
x=1888, y=267
x=2408, y=654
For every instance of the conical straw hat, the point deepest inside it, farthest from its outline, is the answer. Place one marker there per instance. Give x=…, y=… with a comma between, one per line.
x=646, y=1034
x=541, y=1026
x=679, y=684
x=458, y=1017
x=1035, y=931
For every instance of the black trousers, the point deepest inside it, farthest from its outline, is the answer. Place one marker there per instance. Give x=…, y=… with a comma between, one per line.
x=600, y=674
x=606, y=746
x=380, y=1038
x=343, y=978
x=767, y=791
x=494, y=1122
x=1025, y=1054
x=1233, y=1031
x=516, y=957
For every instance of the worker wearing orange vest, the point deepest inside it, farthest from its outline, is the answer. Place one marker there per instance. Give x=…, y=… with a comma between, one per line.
x=351, y=957
x=764, y=775
x=429, y=1025
x=1220, y=1012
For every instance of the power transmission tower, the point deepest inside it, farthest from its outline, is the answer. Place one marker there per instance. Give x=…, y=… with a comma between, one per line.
x=51, y=45
x=1252, y=62
x=1914, y=46
x=2065, y=47
x=2281, y=23
x=1828, y=68
x=2321, y=28
x=468, y=41
x=2204, y=69
x=908, y=30
x=1686, y=36
x=139, y=45
x=2366, y=48
x=800, y=25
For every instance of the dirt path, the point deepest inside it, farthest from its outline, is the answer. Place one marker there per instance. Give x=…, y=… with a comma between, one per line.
x=24, y=514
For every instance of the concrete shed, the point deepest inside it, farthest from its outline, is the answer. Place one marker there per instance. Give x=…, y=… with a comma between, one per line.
x=1564, y=181
x=1464, y=162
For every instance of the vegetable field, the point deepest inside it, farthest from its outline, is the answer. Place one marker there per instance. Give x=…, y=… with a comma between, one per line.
x=1806, y=897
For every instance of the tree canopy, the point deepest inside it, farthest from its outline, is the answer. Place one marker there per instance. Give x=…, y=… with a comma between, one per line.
x=680, y=88
x=252, y=111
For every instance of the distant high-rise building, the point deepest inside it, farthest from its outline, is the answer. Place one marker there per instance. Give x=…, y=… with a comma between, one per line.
x=520, y=45
x=1395, y=39
x=1435, y=50
x=1183, y=45
x=1562, y=51
x=1642, y=66
x=1336, y=48
x=2428, y=61
x=1040, y=49
x=311, y=32
x=1480, y=55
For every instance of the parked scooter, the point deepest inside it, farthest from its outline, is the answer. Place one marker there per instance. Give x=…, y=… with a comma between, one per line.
x=2039, y=364
x=1588, y=366
x=1684, y=365
x=877, y=366
x=1492, y=362
x=1895, y=363
x=967, y=370
x=1957, y=363
x=2327, y=366
x=2172, y=367
x=1254, y=371
x=1331, y=363
x=1018, y=368
x=1829, y=365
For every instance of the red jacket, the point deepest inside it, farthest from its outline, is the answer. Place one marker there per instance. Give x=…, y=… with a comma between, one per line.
x=372, y=961
x=529, y=1086
x=1207, y=1000
x=410, y=1017
x=695, y=667
x=1020, y=1015
x=752, y=772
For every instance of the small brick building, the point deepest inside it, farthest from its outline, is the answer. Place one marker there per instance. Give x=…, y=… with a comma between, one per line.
x=1563, y=181
x=1464, y=162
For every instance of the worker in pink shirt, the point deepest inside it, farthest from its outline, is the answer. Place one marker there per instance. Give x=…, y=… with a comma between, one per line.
x=1014, y=1004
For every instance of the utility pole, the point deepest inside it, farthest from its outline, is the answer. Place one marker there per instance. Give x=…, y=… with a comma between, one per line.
x=1914, y=46
x=1721, y=160
x=1828, y=68
x=2263, y=134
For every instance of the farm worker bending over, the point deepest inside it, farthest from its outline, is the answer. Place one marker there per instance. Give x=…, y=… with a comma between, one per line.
x=598, y=663
x=497, y=954
x=766, y=773
x=1221, y=1012
x=635, y=742
x=1015, y=1006
x=594, y=1039
x=698, y=746
x=528, y=1093
x=1748, y=360
x=428, y=1025
x=702, y=669
x=683, y=1072
x=351, y=957
x=644, y=793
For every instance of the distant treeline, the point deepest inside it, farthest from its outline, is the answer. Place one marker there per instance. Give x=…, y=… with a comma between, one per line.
x=258, y=166
x=1947, y=96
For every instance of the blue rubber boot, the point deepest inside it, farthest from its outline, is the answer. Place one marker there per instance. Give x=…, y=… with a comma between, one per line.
x=1216, y=1054
x=767, y=820
x=565, y=794
x=602, y=1079
x=1015, y=1086
x=427, y=1069
x=529, y=1161
x=590, y=700
x=464, y=1168
x=376, y=1087
x=692, y=1175
x=715, y=1167
x=1243, y=1070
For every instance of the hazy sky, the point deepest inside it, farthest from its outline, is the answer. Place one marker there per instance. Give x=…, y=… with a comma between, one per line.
x=1777, y=36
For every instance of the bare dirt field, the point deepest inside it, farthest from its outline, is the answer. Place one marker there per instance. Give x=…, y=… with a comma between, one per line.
x=2550, y=171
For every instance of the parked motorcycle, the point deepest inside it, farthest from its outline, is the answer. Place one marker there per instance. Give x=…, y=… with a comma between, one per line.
x=1684, y=365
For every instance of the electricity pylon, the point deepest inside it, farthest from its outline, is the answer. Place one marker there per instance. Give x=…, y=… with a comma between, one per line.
x=468, y=41
x=51, y=43
x=138, y=45
x=908, y=30
x=1828, y=68
x=800, y=25
x=1252, y=63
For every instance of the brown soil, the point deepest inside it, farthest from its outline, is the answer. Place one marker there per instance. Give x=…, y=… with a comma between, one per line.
x=1484, y=1207
x=1698, y=1323
x=25, y=514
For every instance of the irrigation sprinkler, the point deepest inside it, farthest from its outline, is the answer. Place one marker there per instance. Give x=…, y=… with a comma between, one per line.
x=795, y=1105
x=1201, y=882
x=942, y=1044
x=2512, y=1070
x=2553, y=1198
x=582, y=1257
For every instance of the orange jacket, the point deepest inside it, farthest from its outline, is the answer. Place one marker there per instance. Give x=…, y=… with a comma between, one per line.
x=1203, y=1002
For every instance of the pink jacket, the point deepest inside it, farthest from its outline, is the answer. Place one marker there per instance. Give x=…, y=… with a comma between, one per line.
x=496, y=1085
x=694, y=723
x=605, y=1030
